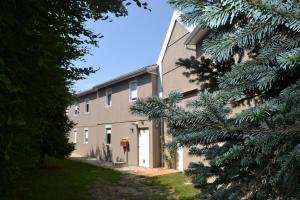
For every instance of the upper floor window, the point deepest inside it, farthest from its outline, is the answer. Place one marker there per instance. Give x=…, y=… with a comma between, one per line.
x=133, y=90
x=86, y=136
x=76, y=109
x=108, y=98
x=74, y=136
x=87, y=105
x=108, y=136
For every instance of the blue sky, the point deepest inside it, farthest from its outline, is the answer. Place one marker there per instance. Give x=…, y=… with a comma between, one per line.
x=129, y=43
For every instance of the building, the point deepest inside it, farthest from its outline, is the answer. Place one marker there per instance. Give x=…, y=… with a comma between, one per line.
x=102, y=114
x=180, y=42
x=103, y=120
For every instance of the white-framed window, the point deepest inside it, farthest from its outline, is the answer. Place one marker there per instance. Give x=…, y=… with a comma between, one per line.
x=108, y=97
x=74, y=136
x=87, y=105
x=76, y=109
x=86, y=136
x=108, y=136
x=133, y=91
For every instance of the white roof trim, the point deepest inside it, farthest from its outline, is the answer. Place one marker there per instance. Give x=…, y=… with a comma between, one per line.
x=163, y=50
x=174, y=18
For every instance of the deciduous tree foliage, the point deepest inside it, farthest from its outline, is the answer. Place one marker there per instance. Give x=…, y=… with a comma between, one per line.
x=39, y=41
x=254, y=153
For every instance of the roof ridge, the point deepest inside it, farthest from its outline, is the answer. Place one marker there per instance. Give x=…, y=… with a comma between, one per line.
x=145, y=69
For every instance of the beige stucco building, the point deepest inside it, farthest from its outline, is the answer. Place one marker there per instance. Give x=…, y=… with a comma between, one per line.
x=103, y=119
x=180, y=42
x=102, y=114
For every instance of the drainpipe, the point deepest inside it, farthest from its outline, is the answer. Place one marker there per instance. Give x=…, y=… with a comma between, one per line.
x=162, y=142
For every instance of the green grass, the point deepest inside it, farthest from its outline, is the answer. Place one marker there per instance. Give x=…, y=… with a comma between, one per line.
x=67, y=179
x=60, y=179
x=178, y=183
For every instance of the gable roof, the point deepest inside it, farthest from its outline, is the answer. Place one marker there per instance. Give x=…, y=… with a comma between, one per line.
x=196, y=35
x=138, y=72
x=174, y=19
x=168, y=36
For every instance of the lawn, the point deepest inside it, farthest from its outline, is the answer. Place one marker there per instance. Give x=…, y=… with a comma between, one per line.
x=67, y=179
x=178, y=183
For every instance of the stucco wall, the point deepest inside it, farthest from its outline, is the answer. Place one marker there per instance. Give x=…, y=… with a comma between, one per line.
x=187, y=159
x=173, y=78
x=172, y=75
x=119, y=111
x=118, y=117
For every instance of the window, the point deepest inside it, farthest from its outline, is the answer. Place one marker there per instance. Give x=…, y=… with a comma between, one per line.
x=87, y=105
x=133, y=90
x=75, y=136
x=76, y=110
x=108, y=136
x=86, y=136
x=108, y=97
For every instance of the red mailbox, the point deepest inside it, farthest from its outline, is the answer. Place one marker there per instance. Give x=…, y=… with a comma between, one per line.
x=124, y=143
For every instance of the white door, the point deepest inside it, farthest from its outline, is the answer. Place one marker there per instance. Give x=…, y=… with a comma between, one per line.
x=180, y=158
x=144, y=147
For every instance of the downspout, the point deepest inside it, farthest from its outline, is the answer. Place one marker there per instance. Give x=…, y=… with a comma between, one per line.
x=162, y=134
x=162, y=142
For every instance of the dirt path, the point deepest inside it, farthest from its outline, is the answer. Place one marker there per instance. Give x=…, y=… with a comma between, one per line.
x=135, y=184
x=148, y=172
x=130, y=187
x=139, y=171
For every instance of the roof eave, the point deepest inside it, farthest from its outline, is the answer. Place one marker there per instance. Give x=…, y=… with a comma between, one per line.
x=196, y=35
x=144, y=70
x=86, y=92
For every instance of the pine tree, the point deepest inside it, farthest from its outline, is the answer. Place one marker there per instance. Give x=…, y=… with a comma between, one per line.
x=39, y=42
x=255, y=153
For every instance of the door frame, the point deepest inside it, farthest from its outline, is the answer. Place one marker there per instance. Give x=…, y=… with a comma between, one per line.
x=138, y=149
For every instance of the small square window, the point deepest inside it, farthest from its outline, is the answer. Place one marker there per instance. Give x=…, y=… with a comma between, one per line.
x=108, y=99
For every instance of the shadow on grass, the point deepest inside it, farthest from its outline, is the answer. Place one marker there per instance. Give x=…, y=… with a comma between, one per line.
x=67, y=179
x=59, y=179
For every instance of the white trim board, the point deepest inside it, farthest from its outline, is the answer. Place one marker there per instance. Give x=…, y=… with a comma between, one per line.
x=174, y=19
